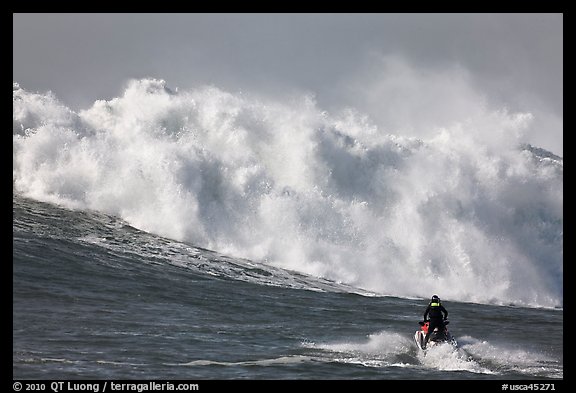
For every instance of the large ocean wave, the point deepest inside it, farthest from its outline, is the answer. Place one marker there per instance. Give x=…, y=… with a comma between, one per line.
x=472, y=213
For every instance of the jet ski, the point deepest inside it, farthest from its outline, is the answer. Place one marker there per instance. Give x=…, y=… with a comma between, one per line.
x=437, y=337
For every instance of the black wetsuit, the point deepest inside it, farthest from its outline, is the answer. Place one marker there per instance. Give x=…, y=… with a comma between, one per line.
x=437, y=314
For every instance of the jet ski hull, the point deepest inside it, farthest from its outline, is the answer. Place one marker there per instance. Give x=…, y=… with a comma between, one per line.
x=437, y=337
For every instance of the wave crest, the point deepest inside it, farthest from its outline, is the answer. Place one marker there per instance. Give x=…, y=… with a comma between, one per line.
x=471, y=213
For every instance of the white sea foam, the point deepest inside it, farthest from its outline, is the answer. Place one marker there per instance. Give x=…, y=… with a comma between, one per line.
x=471, y=212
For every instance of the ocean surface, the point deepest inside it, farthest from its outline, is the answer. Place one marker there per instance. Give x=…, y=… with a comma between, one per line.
x=94, y=298
x=208, y=235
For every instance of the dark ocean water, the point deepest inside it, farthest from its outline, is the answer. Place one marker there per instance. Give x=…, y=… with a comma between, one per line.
x=94, y=298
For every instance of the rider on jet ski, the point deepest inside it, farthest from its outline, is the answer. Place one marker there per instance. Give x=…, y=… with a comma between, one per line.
x=435, y=311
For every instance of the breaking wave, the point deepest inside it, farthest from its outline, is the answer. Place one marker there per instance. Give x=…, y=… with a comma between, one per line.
x=473, y=212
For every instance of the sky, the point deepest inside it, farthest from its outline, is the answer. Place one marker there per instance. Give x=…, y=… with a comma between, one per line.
x=410, y=73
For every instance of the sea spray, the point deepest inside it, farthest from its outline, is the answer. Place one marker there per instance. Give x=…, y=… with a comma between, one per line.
x=472, y=213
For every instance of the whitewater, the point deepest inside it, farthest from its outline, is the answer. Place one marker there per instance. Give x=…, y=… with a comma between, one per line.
x=205, y=234
x=473, y=212
x=97, y=299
